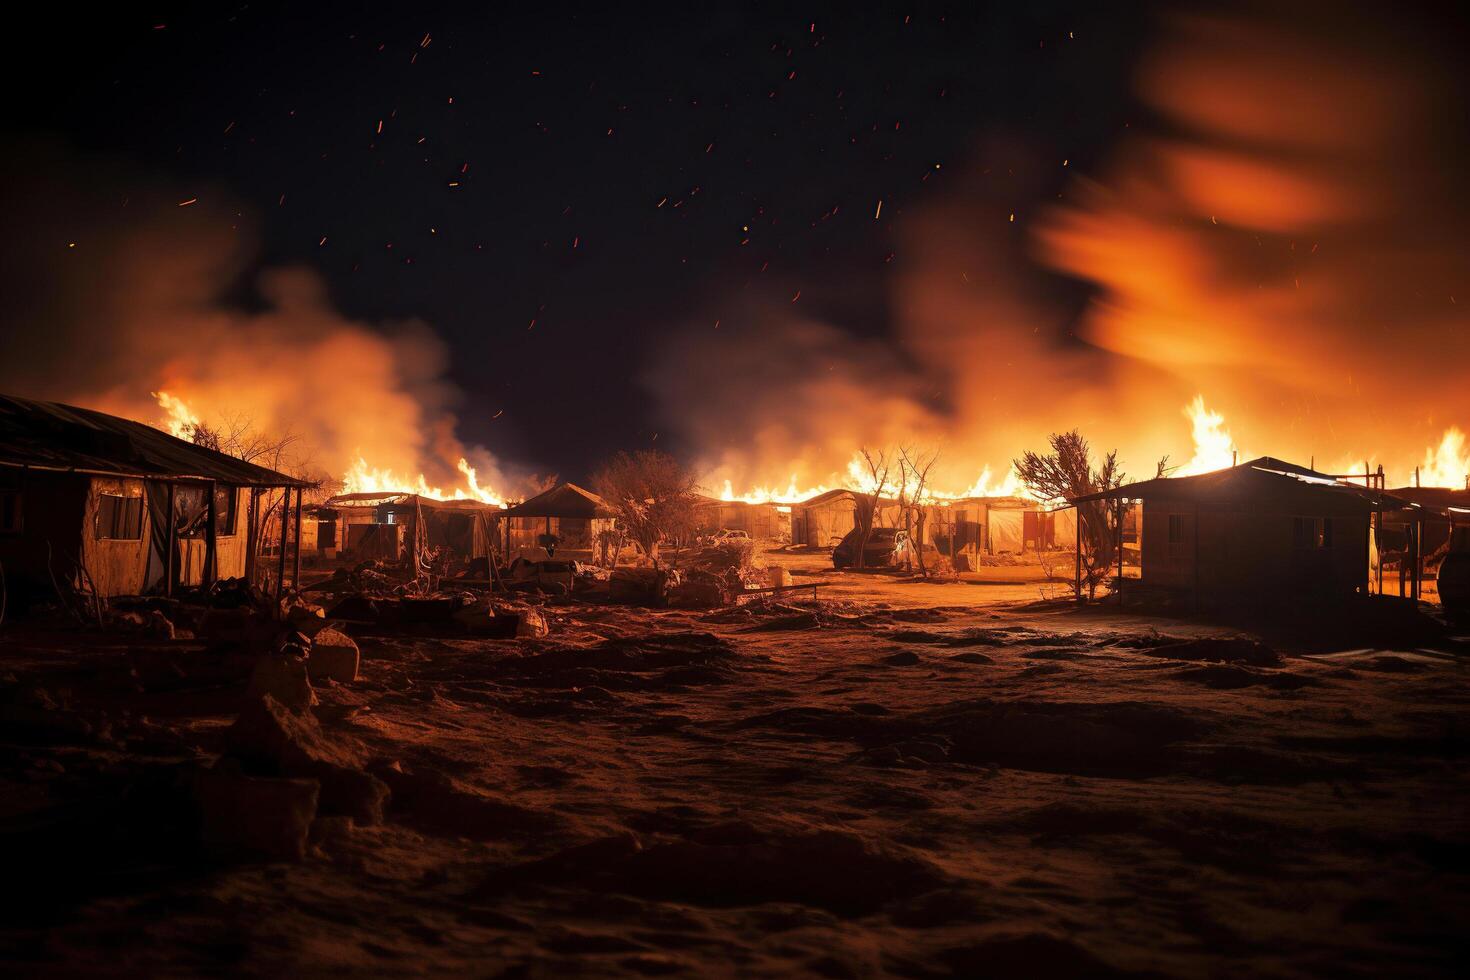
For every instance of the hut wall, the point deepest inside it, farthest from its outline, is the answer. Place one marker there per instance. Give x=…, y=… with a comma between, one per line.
x=117, y=566
x=53, y=511
x=1262, y=549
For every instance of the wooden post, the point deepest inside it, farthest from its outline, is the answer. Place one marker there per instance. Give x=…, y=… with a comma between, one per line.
x=251, y=537
x=296, y=572
x=1079, y=551
x=1419, y=557
x=1120, y=552
x=168, y=545
x=211, y=542
x=281, y=558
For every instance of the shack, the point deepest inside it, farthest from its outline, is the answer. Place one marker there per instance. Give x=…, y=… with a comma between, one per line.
x=574, y=516
x=93, y=503
x=766, y=521
x=967, y=528
x=1262, y=531
x=397, y=526
x=824, y=520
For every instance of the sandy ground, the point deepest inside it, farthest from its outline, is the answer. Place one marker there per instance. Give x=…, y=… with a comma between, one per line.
x=901, y=779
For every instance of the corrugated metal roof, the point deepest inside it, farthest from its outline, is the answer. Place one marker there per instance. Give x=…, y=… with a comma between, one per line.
x=51, y=436
x=397, y=498
x=1259, y=477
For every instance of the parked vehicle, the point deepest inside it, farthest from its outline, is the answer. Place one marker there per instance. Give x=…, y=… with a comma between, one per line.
x=724, y=536
x=886, y=547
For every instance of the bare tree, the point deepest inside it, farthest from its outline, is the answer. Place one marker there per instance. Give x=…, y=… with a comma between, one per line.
x=1067, y=473
x=880, y=465
x=652, y=494
x=916, y=464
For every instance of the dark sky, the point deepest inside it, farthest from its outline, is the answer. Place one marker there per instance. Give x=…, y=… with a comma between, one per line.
x=524, y=154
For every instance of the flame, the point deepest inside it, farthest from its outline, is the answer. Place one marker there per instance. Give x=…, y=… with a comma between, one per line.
x=860, y=480
x=1447, y=464
x=180, y=420
x=364, y=478
x=1214, y=449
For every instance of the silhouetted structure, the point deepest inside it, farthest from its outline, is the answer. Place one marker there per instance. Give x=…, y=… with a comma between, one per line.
x=1263, y=532
x=96, y=503
x=573, y=514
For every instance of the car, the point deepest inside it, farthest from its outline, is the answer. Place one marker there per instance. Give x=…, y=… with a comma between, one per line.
x=886, y=547
x=721, y=537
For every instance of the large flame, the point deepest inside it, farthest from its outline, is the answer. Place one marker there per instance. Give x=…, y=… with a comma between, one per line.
x=182, y=421
x=1447, y=464
x=1213, y=447
x=364, y=478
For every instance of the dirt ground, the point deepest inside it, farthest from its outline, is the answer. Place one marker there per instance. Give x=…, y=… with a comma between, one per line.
x=896, y=779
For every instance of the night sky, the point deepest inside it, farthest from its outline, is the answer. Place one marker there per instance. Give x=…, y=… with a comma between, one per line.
x=555, y=190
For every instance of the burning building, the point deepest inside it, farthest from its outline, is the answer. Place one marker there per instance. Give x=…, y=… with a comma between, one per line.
x=572, y=515
x=824, y=520
x=766, y=521
x=397, y=526
x=967, y=527
x=113, y=507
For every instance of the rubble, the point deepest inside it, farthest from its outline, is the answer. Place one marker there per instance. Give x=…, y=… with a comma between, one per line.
x=334, y=656
x=272, y=740
x=255, y=816
x=283, y=678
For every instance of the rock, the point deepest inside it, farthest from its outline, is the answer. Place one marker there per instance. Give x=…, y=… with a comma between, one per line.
x=530, y=622
x=276, y=741
x=284, y=679
x=334, y=656
x=159, y=625
x=255, y=816
x=698, y=591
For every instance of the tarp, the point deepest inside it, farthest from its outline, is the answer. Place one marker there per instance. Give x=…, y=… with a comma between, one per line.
x=51, y=436
x=1007, y=531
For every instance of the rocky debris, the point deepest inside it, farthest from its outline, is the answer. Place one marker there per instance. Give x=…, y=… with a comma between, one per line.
x=255, y=816
x=438, y=802
x=283, y=678
x=530, y=622
x=31, y=715
x=642, y=586
x=334, y=656
x=1236, y=649
x=699, y=590
x=735, y=864
x=271, y=740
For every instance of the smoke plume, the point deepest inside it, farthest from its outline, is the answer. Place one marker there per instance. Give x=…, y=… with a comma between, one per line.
x=1278, y=232
x=119, y=287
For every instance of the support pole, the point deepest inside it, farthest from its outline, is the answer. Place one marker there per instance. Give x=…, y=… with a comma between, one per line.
x=170, y=530
x=296, y=572
x=281, y=558
x=1079, y=552
x=252, y=537
x=1419, y=557
x=211, y=541
x=1120, y=552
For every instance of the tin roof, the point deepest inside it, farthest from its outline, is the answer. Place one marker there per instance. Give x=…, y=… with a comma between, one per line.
x=51, y=436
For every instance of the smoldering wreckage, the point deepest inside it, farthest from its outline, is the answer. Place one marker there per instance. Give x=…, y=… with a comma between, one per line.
x=236, y=677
